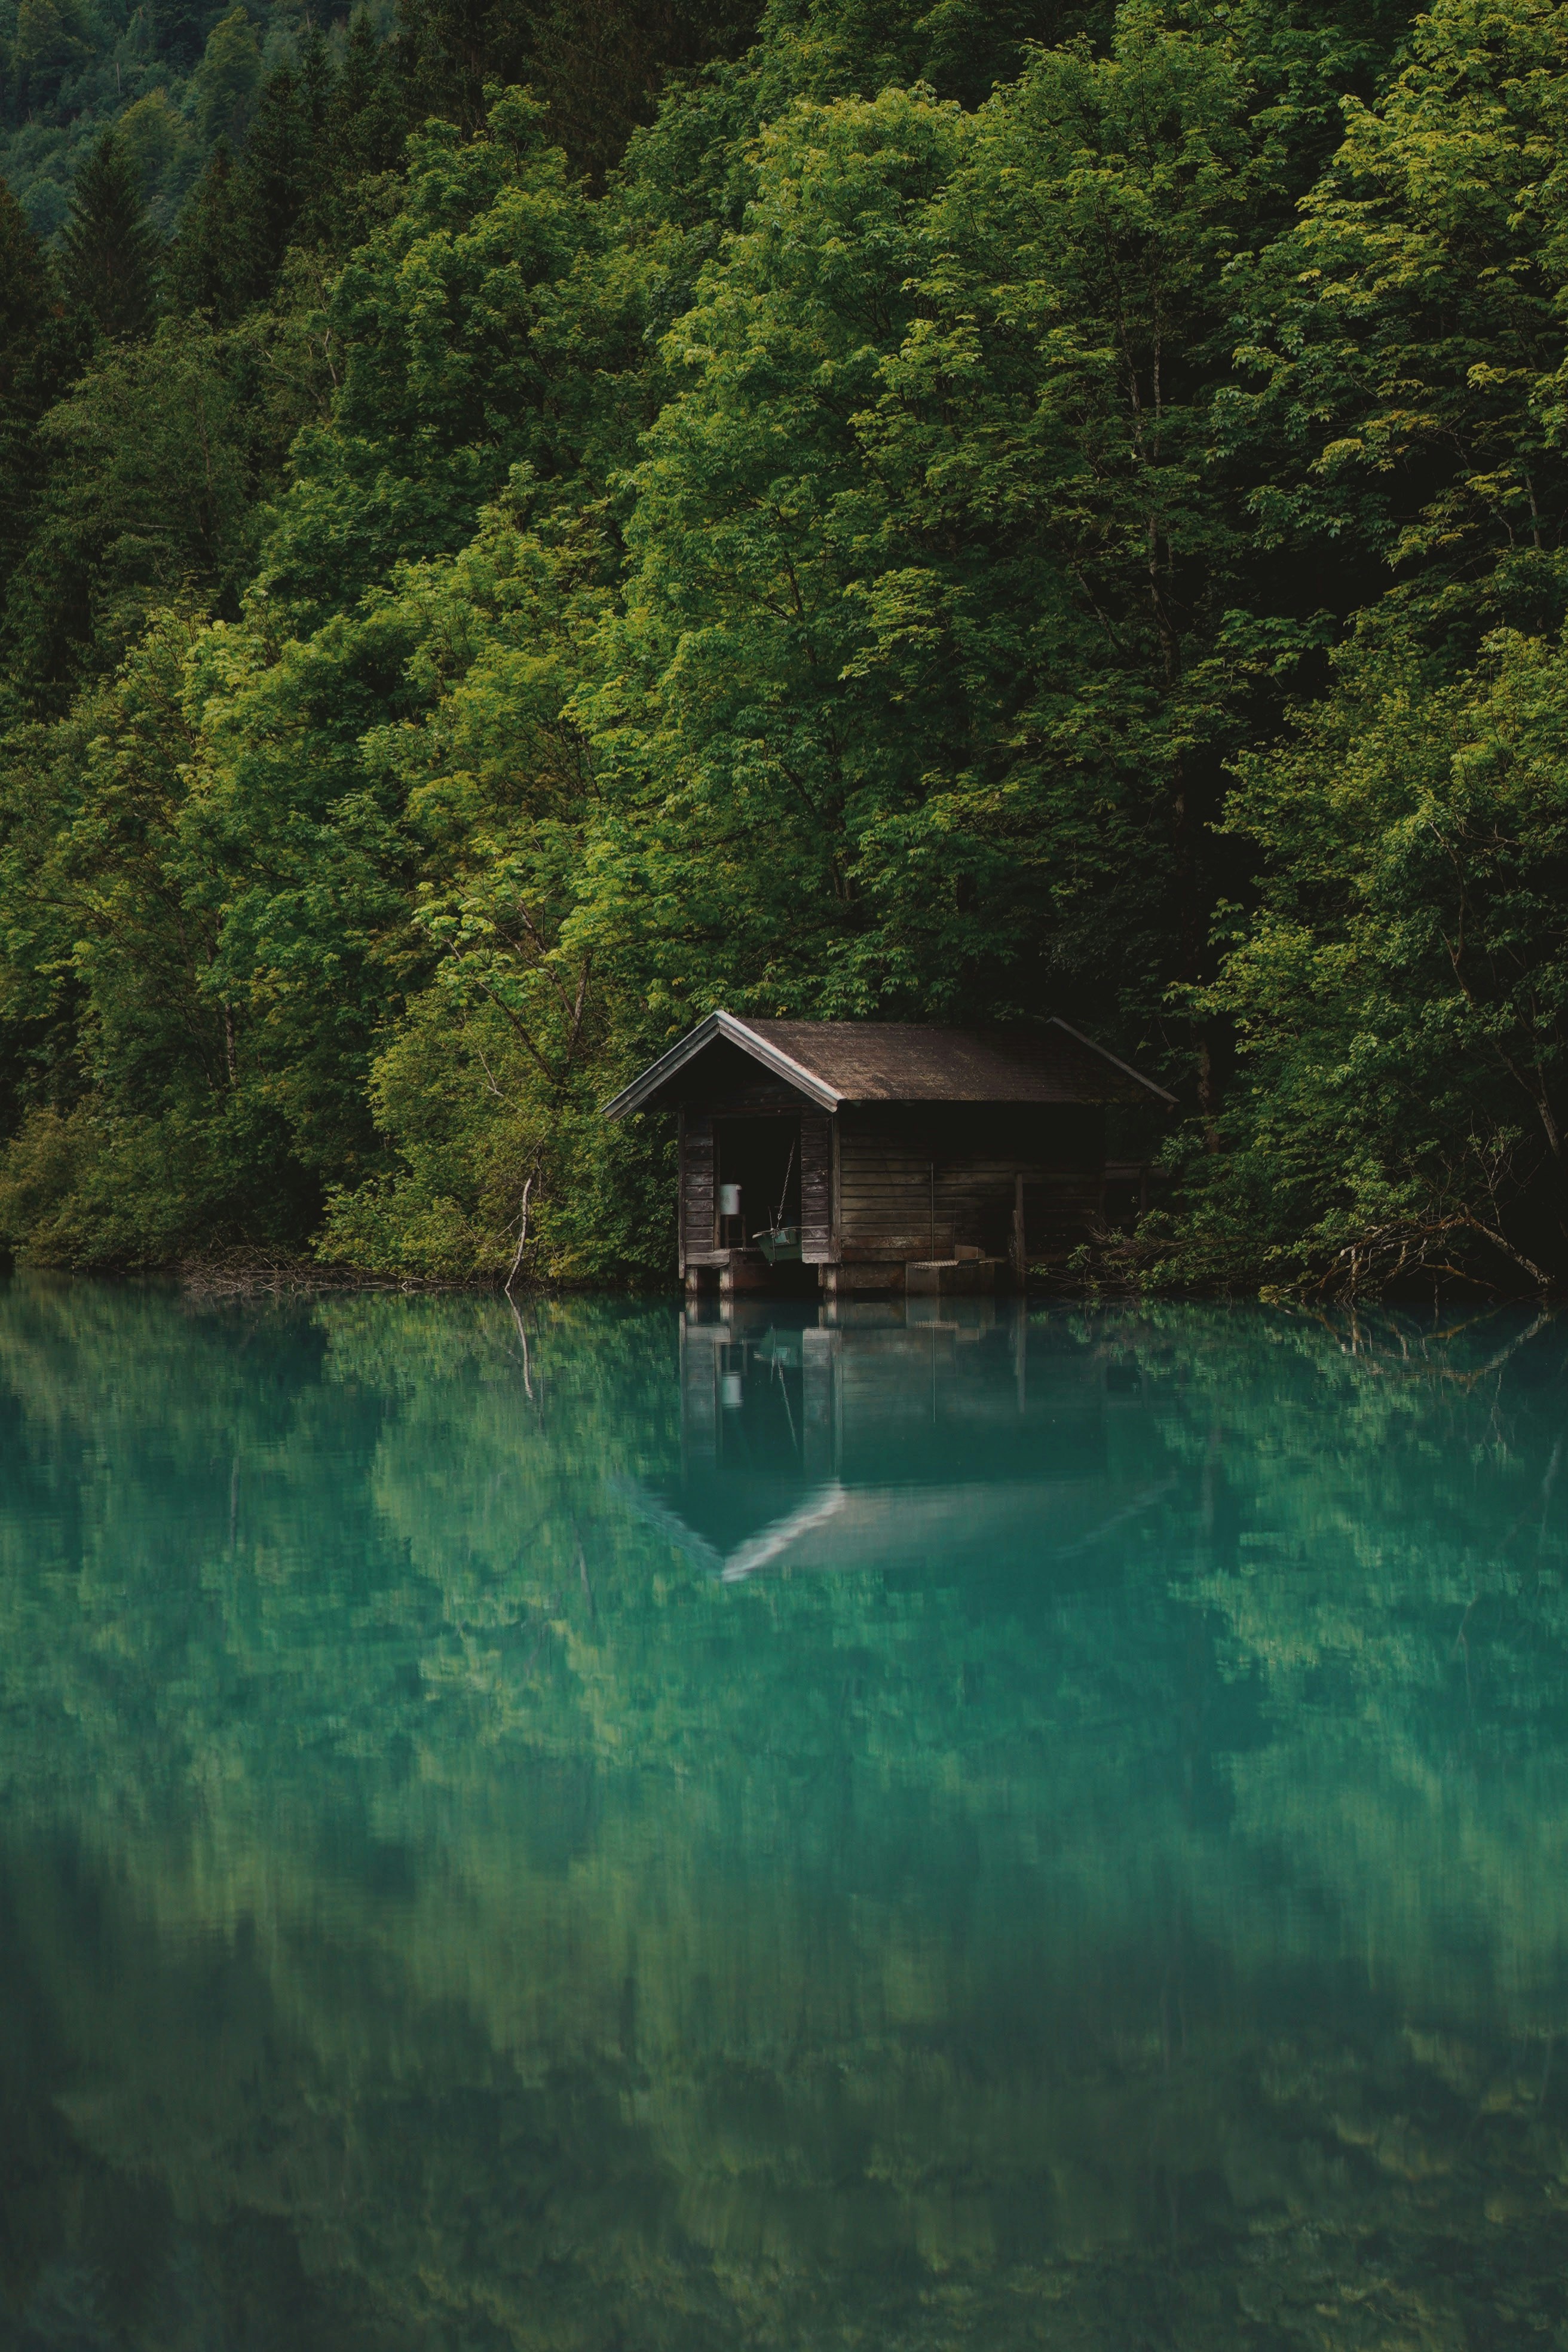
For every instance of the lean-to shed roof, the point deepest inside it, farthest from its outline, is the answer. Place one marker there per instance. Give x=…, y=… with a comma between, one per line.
x=834, y=1062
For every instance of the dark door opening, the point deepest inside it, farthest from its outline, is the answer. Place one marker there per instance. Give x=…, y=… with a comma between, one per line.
x=762, y=1157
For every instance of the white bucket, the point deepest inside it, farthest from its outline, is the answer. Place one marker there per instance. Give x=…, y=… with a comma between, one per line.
x=728, y=1199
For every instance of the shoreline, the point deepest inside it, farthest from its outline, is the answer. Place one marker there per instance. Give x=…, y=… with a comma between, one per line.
x=209, y=1278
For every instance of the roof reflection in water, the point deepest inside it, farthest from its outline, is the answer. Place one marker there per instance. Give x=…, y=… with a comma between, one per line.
x=939, y=1432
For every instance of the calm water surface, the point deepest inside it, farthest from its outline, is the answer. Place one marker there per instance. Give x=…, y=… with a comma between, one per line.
x=598, y=1831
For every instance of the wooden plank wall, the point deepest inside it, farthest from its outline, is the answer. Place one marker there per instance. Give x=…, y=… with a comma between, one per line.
x=879, y=1203
x=892, y=1205
x=885, y=1196
x=914, y=1189
x=816, y=1187
x=699, y=1201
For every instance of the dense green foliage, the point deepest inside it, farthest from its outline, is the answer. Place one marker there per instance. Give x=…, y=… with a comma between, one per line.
x=966, y=514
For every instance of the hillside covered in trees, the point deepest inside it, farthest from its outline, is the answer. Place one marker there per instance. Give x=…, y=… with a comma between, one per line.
x=516, y=529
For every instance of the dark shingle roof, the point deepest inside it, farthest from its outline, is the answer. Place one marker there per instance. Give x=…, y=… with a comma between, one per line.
x=834, y=1062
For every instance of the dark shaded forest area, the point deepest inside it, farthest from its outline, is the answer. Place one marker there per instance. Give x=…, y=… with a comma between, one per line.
x=518, y=527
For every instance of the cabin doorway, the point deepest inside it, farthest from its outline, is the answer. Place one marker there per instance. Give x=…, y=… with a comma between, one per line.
x=762, y=1156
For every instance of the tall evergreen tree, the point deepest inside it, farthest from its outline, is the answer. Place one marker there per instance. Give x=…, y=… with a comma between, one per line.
x=109, y=248
x=448, y=49
x=32, y=358
x=318, y=78
x=27, y=304
x=225, y=80
x=368, y=122
x=276, y=173
x=370, y=113
x=600, y=64
x=317, y=134
x=179, y=31
x=206, y=264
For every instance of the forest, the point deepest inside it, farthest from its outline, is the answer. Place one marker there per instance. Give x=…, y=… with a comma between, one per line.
x=520, y=525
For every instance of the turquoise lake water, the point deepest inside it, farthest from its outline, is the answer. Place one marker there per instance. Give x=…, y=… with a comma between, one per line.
x=595, y=1831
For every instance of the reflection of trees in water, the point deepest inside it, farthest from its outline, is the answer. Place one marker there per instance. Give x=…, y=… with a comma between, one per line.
x=442, y=1915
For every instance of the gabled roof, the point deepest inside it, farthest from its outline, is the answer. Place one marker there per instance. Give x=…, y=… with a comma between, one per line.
x=834, y=1062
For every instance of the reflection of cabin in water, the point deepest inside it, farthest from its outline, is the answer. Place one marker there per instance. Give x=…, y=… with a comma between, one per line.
x=866, y=1156
x=888, y=1437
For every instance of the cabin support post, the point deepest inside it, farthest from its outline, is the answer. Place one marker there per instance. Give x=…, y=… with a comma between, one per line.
x=745, y=1270
x=699, y=1201
x=846, y=1281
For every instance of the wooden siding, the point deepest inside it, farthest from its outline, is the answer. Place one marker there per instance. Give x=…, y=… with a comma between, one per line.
x=698, y=1204
x=885, y=1186
x=766, y=1096
x=885, y=1201
x=815, y=1188
x=910, y=1187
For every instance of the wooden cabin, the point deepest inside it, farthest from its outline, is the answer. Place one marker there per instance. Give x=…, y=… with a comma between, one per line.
x=884, y=1156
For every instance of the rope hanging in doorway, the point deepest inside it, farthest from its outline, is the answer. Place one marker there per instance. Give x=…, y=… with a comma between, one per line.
x=789, y=1165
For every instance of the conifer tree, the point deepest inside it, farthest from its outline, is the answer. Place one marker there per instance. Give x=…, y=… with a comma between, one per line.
x=356, y=120
x=226, y=79
x=275, y=175
x=25, y=301
x=179, y=31
x=109, y=249
x=206, y=267
x=317, y=78
x=367, y=124
x=600, y=64
x=448, y=49
x=370, y=116
x=32, y=357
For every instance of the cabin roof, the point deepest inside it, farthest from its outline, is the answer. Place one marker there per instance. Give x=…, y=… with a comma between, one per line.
x=836, y=1062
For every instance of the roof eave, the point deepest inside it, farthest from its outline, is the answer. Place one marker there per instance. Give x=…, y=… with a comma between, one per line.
x=1115, y=1060
x=658, y=1075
